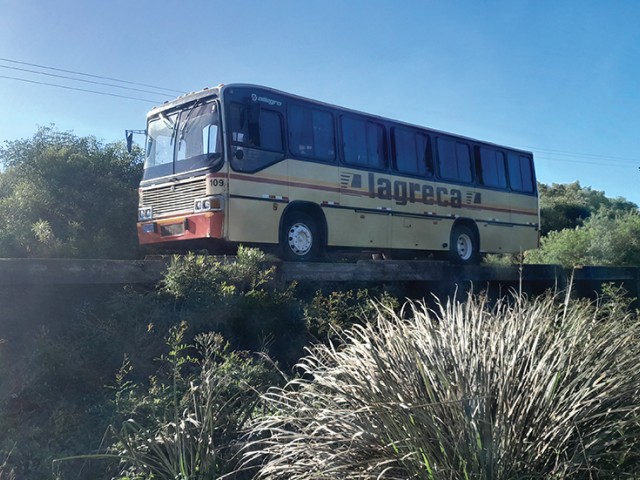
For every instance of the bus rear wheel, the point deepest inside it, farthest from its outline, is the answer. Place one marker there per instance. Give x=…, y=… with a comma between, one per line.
x=463, y=247
x=300, y=240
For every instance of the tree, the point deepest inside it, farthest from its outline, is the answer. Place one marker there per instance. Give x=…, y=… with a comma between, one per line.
x=582, y=226
x=602, y=240
x=63, y=195
x=569, y=205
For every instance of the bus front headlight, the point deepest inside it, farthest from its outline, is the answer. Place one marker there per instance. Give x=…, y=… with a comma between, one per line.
x=208, y=204
x=145, y=213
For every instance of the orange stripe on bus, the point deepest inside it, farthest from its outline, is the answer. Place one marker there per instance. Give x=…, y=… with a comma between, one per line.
x=365, y=193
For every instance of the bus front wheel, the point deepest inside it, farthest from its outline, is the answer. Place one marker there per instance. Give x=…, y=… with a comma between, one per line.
x=300, y=238
x=463, y=247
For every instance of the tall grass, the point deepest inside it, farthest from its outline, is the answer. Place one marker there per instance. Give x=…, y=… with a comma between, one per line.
x=518, y=389
x=6, y=472
x=188, y=425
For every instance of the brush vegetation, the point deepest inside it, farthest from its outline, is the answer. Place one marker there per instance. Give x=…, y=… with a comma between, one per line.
x=164, y=384
x=151, y=381
x=519, y=389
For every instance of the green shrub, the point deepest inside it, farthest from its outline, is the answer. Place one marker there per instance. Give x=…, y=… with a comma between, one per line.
x=186, y=424
x=239, y=300
x=567, y=247
x=53, y=400
x=197, y=278
x=522, y=389
x=602, y=240
x=328, y=314
x=68, y=196
x=52, y=397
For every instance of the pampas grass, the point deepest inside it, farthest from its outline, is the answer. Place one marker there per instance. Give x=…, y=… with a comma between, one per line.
x=522, y=388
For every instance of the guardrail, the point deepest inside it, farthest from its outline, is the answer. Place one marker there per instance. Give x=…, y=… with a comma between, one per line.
x=16, y=272
x=57, y=271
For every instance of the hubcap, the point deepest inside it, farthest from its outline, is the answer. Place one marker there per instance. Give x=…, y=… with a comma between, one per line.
x=464, y=246
x=300, y=239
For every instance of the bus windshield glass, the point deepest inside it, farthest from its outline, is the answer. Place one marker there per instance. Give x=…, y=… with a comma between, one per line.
x=183, y=141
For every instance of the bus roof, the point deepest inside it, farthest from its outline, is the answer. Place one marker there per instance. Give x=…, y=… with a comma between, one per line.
x=217, y=91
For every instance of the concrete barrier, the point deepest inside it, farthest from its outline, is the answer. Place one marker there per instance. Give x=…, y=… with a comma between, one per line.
x=585, y=281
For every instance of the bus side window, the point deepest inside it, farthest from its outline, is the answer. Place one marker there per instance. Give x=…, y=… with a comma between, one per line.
x=311, y=133
x=270, y=131
x=256, y=136
x=363, y=143
x=491, y=168
x=412, y=152
x=252, y=126
x=454, y=160
x=238, y=124
x=210, y=139
x=520, y=173
x=324, y=141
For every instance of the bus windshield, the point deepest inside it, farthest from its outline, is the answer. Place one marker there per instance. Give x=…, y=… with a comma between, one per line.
x=183, y=141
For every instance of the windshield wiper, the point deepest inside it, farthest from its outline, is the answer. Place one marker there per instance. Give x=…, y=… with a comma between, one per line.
x=183, y=132
x=173, y=127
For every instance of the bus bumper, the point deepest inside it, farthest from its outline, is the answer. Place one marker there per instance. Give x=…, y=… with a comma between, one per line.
x=190, y=227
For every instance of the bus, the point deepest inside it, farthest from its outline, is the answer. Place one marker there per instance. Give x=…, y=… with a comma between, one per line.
x=245, y=164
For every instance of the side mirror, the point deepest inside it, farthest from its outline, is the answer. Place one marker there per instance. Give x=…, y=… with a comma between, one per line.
x=128, y=135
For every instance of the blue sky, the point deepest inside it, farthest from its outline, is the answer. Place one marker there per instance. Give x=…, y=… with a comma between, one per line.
x=561, y=79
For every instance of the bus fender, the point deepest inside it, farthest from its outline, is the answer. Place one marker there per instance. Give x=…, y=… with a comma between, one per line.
x=311, y=209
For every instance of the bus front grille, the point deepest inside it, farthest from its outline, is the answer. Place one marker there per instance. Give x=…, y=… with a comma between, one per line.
x=175, y=198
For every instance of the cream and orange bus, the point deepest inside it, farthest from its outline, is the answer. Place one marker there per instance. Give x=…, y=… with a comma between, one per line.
x=248, y=164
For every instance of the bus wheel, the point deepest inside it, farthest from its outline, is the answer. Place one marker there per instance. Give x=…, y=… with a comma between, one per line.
x=301, y=238
x=463, y=247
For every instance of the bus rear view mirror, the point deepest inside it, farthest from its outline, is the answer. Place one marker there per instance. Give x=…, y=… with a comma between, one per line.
x=128, y=135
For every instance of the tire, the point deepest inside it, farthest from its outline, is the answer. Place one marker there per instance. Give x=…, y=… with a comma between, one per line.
x=300, y=240
x=463, y=246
